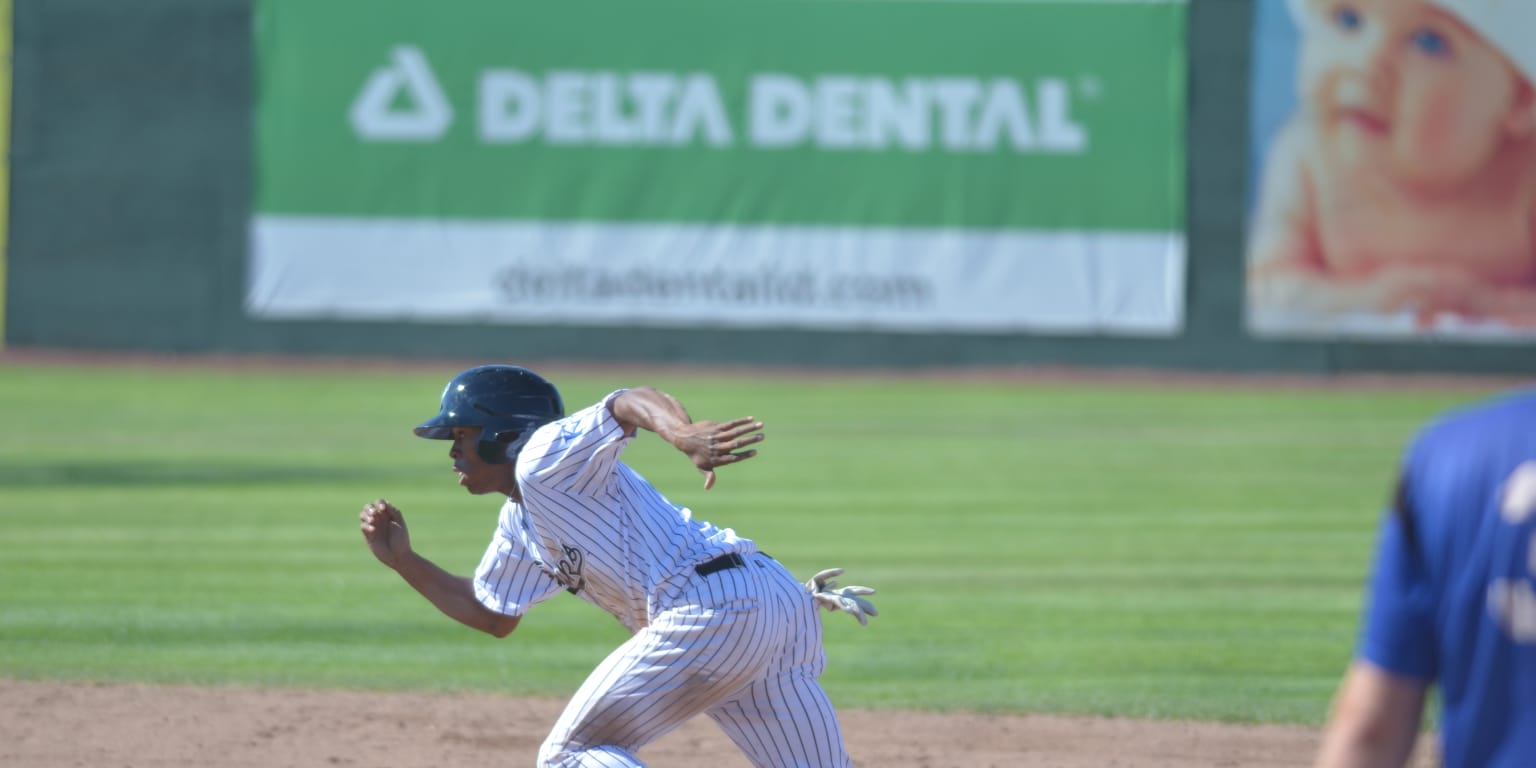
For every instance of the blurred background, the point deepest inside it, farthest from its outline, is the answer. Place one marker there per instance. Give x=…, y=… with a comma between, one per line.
x=863, y=184
x=787, y=208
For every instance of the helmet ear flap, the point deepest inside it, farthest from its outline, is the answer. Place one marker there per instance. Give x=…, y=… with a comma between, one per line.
x=502, y=447
x=493, y=452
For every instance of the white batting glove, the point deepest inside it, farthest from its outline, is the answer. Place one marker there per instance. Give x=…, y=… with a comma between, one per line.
x=849, y=599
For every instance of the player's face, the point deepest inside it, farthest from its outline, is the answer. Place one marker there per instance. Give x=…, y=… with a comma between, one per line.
x=475, y=474
x=1401, y=86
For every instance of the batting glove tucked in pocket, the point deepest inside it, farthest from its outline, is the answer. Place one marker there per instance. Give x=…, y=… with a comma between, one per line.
x=849, y=600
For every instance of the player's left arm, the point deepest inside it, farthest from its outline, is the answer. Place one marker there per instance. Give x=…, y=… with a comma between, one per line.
x=384, y=529
x=708, y=444
x=1375, y=719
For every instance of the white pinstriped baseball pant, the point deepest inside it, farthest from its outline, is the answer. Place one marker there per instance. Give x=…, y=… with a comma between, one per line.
x=742, y=645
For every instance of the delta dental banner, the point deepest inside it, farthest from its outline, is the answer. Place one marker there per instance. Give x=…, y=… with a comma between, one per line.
x=992, y=167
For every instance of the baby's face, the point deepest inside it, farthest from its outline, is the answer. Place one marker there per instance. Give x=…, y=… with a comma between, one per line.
x=1402, y=86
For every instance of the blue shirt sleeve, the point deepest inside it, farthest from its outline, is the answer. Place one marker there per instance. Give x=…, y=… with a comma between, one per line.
x=1399, y=631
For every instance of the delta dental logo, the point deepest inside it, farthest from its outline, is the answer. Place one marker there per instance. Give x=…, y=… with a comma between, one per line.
x=429, y=115
x=404, y=101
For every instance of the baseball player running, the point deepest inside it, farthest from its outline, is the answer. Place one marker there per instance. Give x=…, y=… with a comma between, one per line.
x=717, y=627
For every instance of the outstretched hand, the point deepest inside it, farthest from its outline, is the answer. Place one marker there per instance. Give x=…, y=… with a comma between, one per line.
x=384, y=529
x=849, y=600
x=712, y=444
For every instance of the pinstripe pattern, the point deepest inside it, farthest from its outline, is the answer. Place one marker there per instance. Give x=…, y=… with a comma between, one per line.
x=742, y=645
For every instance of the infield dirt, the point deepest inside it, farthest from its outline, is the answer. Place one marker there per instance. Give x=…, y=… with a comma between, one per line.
x=68, y=725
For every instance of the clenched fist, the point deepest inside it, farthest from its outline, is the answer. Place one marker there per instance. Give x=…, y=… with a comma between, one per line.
x=384, y=529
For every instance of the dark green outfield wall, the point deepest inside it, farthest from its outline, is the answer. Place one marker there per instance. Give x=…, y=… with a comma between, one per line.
x=131, y=180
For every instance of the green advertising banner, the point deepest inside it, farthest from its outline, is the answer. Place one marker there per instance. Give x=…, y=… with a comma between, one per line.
x=992, y=166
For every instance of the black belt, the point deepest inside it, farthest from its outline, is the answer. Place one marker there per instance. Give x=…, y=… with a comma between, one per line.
x=721, y=563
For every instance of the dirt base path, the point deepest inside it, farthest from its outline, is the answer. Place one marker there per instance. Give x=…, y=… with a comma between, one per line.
x=84, y=725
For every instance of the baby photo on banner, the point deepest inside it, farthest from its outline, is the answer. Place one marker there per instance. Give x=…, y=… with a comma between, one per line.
x=1393, y=151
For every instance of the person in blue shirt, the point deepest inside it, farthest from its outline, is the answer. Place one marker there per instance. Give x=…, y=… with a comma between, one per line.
x=1451, y=601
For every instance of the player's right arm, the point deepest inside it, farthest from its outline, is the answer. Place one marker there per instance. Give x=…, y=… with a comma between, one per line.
x=384, y=529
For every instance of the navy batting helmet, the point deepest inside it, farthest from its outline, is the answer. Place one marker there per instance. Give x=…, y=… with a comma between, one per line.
x=507, y=402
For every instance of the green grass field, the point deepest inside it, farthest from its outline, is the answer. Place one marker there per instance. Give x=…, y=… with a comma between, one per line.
x=1112, y=548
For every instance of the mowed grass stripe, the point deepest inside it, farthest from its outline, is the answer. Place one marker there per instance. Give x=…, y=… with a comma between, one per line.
x=1135, y=550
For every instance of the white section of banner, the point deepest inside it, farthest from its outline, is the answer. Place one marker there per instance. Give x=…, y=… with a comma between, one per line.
x=688, y=275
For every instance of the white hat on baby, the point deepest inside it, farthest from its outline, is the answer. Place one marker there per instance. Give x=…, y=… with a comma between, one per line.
x=1510, y=25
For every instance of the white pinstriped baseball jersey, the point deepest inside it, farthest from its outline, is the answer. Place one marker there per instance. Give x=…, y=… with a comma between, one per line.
x=741, y=644
x=593, y=526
